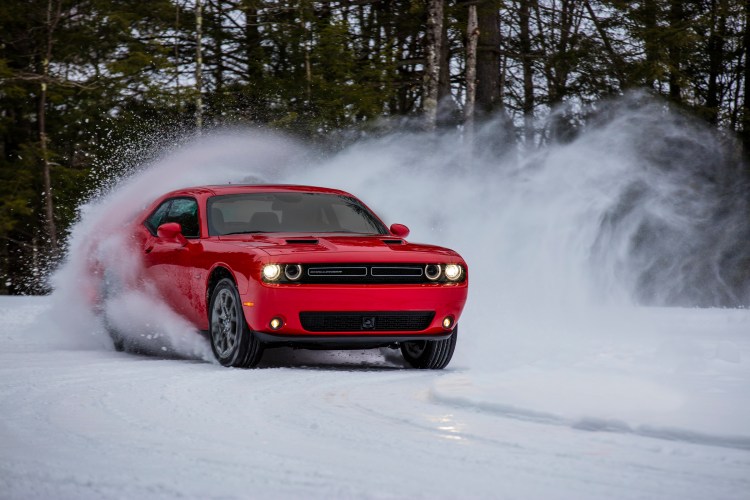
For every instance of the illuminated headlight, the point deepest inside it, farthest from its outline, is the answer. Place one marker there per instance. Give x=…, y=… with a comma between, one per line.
x=272, y=272
x=453, y=271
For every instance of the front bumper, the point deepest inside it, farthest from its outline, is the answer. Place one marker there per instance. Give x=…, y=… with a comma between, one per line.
x=345, y=341
x=263, y=303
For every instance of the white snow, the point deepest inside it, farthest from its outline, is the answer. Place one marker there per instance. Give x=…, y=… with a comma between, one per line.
x=682, y=374
x=561, y=388
x=620, y=422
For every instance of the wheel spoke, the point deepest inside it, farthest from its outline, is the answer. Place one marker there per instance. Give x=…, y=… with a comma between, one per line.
x=225, y=325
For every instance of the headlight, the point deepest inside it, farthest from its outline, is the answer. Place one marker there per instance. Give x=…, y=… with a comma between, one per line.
x=432, y=271
x=272, y=272
x=453, y=271
x=293, y=272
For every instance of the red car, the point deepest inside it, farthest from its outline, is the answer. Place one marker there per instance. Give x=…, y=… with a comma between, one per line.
x=264, y=266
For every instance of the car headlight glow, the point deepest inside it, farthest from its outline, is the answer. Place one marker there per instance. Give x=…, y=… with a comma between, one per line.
x=272, y=272
x=453, y=271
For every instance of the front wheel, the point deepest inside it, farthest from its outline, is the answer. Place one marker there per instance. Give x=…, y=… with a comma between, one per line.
x=232, y=342
x=430, y=354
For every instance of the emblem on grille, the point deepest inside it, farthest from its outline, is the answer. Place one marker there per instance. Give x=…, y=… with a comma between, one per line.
x=368, y=322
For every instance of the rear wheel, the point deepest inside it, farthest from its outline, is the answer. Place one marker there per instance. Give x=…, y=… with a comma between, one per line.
x=232, y=342
x=430, y=354
x=111, y=288
x=117, y=341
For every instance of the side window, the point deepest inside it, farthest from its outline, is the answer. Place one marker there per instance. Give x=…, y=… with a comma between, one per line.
x=184, y=211
x=155, y=219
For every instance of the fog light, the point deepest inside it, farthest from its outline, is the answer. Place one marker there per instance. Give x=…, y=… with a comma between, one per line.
x=271, y=272
x=447, y=322
x=452, y=271
x=276, y=323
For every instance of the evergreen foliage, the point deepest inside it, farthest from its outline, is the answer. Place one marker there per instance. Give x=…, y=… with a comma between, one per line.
x=120, y=69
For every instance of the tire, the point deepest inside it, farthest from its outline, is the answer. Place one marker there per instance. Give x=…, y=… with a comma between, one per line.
x=111, y=288
x=117, y=341
x=232, y=341
x=430, y=354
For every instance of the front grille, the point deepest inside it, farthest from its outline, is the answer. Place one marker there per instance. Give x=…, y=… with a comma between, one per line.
x=364, y=273
x=336, y=271
x=395, y=271
x=404, y=321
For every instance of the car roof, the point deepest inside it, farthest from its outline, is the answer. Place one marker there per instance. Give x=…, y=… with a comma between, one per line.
x=254, y=188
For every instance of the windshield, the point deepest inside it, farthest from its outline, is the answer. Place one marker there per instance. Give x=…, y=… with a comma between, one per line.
x=289, y=213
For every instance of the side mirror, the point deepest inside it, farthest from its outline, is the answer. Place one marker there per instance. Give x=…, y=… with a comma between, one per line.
x=171, y=231
x=399, y=230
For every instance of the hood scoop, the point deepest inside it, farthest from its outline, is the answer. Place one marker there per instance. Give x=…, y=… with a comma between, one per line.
x=307, y=241
x=393, y=242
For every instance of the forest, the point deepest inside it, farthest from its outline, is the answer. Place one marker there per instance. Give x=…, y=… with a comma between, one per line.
x=83, y=80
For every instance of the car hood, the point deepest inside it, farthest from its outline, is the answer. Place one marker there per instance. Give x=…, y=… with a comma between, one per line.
x=312, y=246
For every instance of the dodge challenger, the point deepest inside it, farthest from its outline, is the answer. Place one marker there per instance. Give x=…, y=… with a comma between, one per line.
x=260, y=266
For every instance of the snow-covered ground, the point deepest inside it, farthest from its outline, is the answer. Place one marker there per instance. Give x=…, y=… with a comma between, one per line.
x=663, y=415
x=560, y=387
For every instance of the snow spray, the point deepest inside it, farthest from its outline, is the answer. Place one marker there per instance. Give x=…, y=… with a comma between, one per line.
x=643, y=207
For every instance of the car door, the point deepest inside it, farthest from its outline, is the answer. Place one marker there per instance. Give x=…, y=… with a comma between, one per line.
x=172, y=266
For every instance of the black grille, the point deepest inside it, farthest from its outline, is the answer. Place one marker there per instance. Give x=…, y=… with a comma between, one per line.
x=336, y=271
x=364, y=273
x=395, y=271
x=406, y=321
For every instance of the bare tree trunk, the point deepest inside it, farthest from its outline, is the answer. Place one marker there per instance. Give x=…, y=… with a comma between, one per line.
x=252, y=42
x=432, y=70
x=198, y=65
x=306, y=46
x=528, y=74
x=563, y=64
x=488, y=57
x=446, y=105
x=651, y=42
x=218, y=55
x=472, y=35
x=716, y=42
x=676, y=20
x=42, y=122
x=177, y=55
